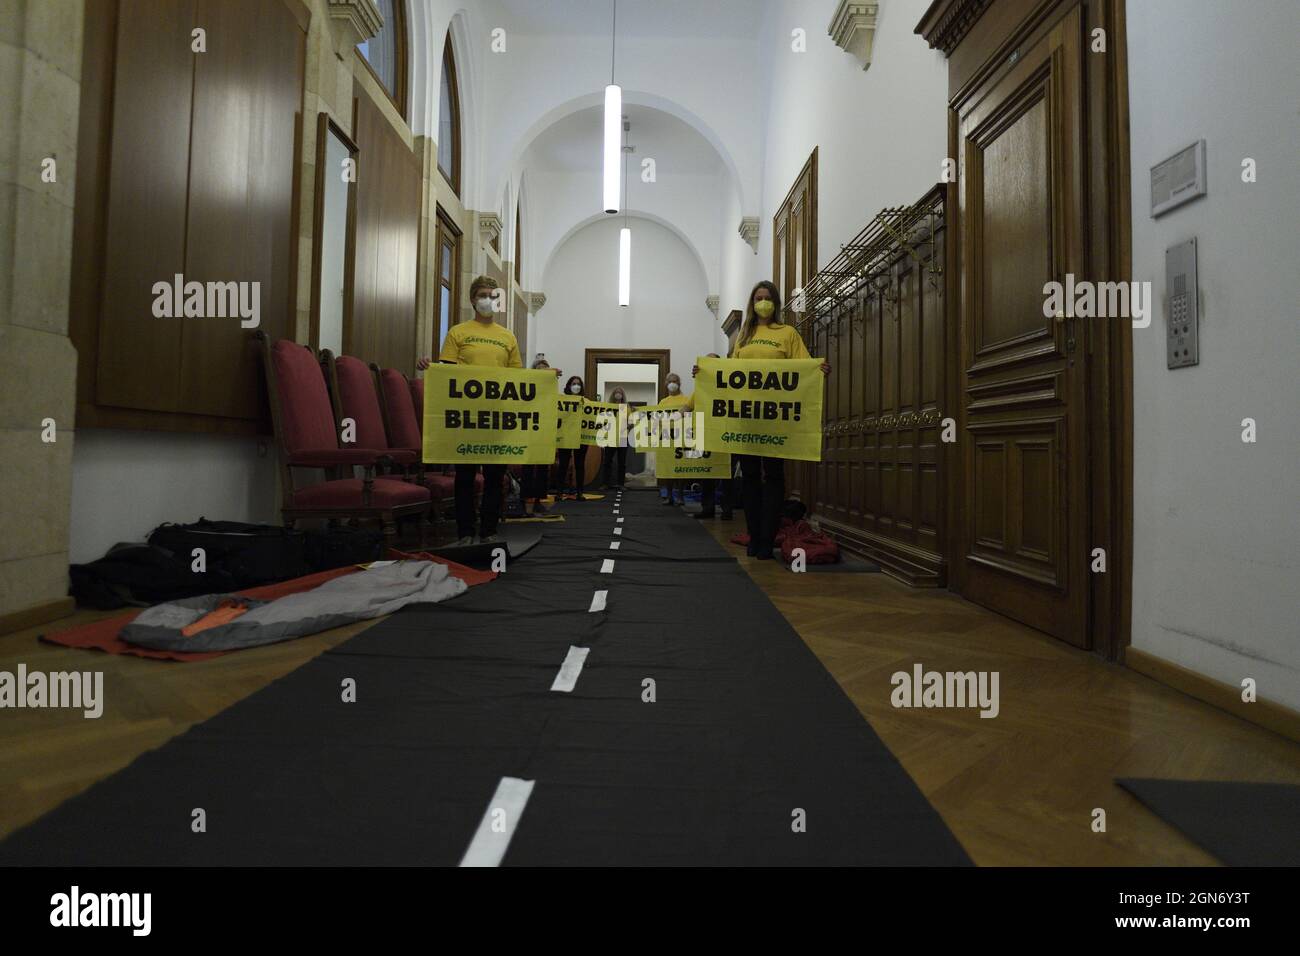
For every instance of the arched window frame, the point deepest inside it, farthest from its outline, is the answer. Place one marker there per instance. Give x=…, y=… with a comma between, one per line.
x=449, y=74
x=398, y=96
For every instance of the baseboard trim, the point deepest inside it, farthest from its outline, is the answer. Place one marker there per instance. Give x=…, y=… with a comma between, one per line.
x=35, y=616
x=1267, y=714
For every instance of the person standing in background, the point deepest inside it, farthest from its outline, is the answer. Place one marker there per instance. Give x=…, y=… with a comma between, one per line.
x=573, y=388
x=615, y=455
x=674, y=400
x=533, y=477
x=709, y=488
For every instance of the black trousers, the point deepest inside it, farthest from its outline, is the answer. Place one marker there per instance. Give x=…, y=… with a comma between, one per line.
x=491, y=511
x=763, y=491
x=607, y=458
x=579, y=458
x=708, y=491
x=533, y=485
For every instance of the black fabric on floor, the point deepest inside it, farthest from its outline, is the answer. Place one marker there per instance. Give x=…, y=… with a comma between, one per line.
x=1243, y=824
x=519, y=539
x=748, y=730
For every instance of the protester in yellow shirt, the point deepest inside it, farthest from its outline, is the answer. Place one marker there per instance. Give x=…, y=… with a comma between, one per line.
x=533, y=477
x=765, y=336
x=572, y=388
x=485, y=343
x=674, y=399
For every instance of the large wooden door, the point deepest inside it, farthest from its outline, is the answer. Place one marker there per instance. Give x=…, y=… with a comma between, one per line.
x=1023, y=506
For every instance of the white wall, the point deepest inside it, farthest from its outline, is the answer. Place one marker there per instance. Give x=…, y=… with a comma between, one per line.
x=880, y=133
x=125, y=484
x=668, y=298
x=1215, y=525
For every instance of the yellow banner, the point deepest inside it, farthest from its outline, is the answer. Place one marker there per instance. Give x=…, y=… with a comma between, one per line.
x=687, y=463
x=653, y=428
x=761, y=406
x=570, y=425
x=489, y=416
x=599, y=423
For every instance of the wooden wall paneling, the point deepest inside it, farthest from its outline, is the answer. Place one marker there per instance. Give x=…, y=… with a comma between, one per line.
x=382, y=326
x=880, y=487
x=148, y=174
x=247, y=96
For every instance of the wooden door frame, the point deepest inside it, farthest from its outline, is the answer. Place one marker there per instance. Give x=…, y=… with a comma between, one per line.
x=998, y=33
x=325, y=125
x=597, y=357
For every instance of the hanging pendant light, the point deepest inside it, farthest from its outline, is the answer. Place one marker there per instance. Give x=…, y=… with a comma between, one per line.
x=625, y=246
x=625, y=266
x=613, y=120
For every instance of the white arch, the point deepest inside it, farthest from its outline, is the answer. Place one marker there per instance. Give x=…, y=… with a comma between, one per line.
x=630, y=98
x=632, y=214
x=426, y=34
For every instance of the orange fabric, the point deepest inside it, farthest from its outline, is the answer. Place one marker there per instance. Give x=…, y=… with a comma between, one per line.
x=102, y=635
x=223, y=613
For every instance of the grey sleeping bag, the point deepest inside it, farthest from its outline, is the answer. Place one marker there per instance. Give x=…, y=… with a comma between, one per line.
x=379, y=590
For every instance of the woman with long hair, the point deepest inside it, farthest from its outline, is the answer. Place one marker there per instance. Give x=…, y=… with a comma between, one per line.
x=573, y=388
x=765, y=336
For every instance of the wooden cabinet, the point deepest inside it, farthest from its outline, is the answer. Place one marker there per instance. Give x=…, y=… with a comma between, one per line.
x=879, y=321
x=190, y=172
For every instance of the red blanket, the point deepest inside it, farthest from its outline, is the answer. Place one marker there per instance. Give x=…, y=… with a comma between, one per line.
x=102, y=635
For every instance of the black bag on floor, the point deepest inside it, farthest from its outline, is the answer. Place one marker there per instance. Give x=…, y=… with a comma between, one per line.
x=330, y=548
x=140, y=575
x=250, y=554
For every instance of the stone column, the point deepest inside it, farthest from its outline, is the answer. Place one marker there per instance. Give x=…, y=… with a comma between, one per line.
x=40, y=93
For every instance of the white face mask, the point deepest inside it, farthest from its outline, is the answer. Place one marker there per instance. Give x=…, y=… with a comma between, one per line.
x=674, y=387
x=575, y=389
x=483, y=305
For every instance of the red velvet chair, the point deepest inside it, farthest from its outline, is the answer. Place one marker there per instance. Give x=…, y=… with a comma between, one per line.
x=404, y=432
x=304, y=422
x=417, y=400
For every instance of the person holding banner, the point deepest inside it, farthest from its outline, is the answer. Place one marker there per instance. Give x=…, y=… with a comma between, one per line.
x=617, y=452
x=481, y=342
x=533, y=477
x=578, y=456
x=764, y=336
x=674, y=400
x=709, y=486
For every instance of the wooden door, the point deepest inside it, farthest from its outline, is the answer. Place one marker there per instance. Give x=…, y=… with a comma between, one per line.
x=1023, y=511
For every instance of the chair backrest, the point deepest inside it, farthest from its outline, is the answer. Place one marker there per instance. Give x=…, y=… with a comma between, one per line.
x=354, y=390
x=417, y=399
x=304, y=417
x=403, y=426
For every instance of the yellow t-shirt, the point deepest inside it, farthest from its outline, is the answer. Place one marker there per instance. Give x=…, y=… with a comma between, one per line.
x=675, y=401
x=481, y=343
x=773, y=342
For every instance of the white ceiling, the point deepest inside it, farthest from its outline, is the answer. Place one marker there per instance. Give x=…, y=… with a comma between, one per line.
x=575, y=143
x=649, y=18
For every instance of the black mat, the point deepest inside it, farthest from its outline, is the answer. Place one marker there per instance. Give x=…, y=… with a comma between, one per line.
x=1243, y=824
x=748, y=733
